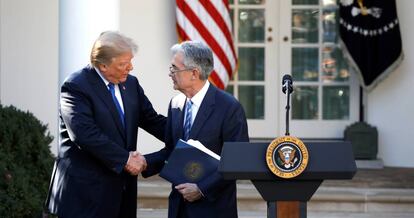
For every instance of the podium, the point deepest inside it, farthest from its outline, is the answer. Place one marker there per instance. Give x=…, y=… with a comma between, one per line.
x=287, y=198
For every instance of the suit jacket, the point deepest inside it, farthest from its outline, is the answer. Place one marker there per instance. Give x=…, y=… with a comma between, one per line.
x=88, y=178
x=220, y=119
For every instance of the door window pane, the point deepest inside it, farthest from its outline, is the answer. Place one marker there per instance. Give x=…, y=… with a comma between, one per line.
x=305, y=64
x=305, y=26
x=252, y=99
x=251, y=2
x=330, y=27
x=336, y=102
x=334, y=66
x=251, y=64
x=329, y=3
x=230, y=89
x=251, y=25
x=305, y=103
x=305, y=2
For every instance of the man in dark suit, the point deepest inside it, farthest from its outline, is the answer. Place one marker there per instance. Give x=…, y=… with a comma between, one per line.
x=101, y=108
x=207, y=114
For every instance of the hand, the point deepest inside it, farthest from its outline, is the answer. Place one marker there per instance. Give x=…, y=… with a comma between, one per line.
x=190, y=191
x=136, y=163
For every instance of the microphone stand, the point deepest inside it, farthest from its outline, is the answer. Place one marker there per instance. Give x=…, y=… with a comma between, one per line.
x=287, y=107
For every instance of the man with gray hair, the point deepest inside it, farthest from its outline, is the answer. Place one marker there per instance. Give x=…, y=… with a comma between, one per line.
x=207, y=114
x=101, y=108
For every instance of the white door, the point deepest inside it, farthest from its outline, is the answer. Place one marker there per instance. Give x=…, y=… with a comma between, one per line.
x=300, y=38
x=255, y=83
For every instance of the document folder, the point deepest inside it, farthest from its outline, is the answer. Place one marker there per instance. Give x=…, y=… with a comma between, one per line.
x=187, y=163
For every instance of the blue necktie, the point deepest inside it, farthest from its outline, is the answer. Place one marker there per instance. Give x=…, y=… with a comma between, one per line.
x=118, y=106
x=187, y=121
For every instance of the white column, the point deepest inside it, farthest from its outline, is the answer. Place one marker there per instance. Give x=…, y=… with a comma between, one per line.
x=29, y=58
x=81, y=22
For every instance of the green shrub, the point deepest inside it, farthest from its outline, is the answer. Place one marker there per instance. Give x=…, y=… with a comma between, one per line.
x=25, y=163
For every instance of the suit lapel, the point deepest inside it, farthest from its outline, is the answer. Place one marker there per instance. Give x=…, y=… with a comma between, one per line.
x=100, y=89
x=206, y=108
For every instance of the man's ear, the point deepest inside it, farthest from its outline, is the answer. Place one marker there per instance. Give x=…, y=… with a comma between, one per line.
x=195, y=74
x=102, y=67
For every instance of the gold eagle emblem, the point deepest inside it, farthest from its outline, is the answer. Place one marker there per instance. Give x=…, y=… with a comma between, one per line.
x=287, y=155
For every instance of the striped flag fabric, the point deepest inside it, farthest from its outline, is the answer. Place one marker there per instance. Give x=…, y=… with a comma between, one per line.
x=209, y=22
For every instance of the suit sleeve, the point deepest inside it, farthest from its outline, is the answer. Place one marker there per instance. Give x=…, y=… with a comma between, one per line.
x=157, y=159
x=234, y=130
x=150, y=120
x=77, y=113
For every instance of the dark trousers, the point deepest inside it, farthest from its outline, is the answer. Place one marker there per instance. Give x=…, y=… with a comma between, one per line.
x=182, y=210
x=128, y=208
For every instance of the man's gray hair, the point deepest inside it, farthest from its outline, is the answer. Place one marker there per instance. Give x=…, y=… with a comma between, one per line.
x=196, y=55
x=111, y=44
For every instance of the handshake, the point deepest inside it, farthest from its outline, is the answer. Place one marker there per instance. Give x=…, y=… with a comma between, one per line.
x=136, y=163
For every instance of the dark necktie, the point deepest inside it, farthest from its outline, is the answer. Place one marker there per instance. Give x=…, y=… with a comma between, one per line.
x=118, y=106
x=187, y=121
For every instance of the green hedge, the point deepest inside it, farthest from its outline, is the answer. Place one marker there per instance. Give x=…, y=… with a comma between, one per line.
x=25, y=163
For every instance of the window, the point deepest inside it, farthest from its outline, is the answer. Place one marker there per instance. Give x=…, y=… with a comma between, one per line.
x=298, y=37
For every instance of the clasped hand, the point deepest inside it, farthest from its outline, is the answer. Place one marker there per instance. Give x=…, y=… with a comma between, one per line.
x=136, y=163
x=190, y=191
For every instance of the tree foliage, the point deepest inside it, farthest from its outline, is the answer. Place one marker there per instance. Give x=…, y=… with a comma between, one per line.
x=25, y=163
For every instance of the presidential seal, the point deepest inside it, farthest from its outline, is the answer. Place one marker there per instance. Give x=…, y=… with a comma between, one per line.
x=287, y=157
x=193, y=171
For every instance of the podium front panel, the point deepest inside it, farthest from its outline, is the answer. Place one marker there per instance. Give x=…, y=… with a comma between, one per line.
x=327, y=160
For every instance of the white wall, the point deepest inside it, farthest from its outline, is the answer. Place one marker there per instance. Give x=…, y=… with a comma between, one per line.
x=29, y=58
x=152, y=26
x=391, y=105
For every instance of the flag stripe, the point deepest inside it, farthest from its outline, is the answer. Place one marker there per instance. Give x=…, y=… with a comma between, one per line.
x=211, y=9
x=225, y=3
x=192, y=34
x=192, y=17
x=220, y=70
x=216, y=80
x=181, y=33
x=209, y=21
x=212, y=27
x=224, y=9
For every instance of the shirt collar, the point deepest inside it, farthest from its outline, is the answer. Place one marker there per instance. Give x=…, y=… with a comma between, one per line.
x=100, y=75
x=198, y=98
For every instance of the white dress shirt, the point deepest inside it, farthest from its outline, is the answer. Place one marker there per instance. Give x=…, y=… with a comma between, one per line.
x=197, y=99
x=116, y=87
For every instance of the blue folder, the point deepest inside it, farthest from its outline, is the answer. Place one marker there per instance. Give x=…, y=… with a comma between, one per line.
x=188, y=164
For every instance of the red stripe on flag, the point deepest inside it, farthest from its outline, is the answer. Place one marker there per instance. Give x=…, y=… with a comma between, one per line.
x=215, y=79
x=220, y=23
x=226, y=3
x=182, y=35
x=192, y=17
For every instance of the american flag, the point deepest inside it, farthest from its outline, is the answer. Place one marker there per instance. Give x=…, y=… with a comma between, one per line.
x=209, y=22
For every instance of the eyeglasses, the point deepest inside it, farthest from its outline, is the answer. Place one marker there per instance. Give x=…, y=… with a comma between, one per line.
x=173, y=70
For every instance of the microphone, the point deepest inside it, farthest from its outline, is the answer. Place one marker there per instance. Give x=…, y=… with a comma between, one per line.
x=287, y=84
